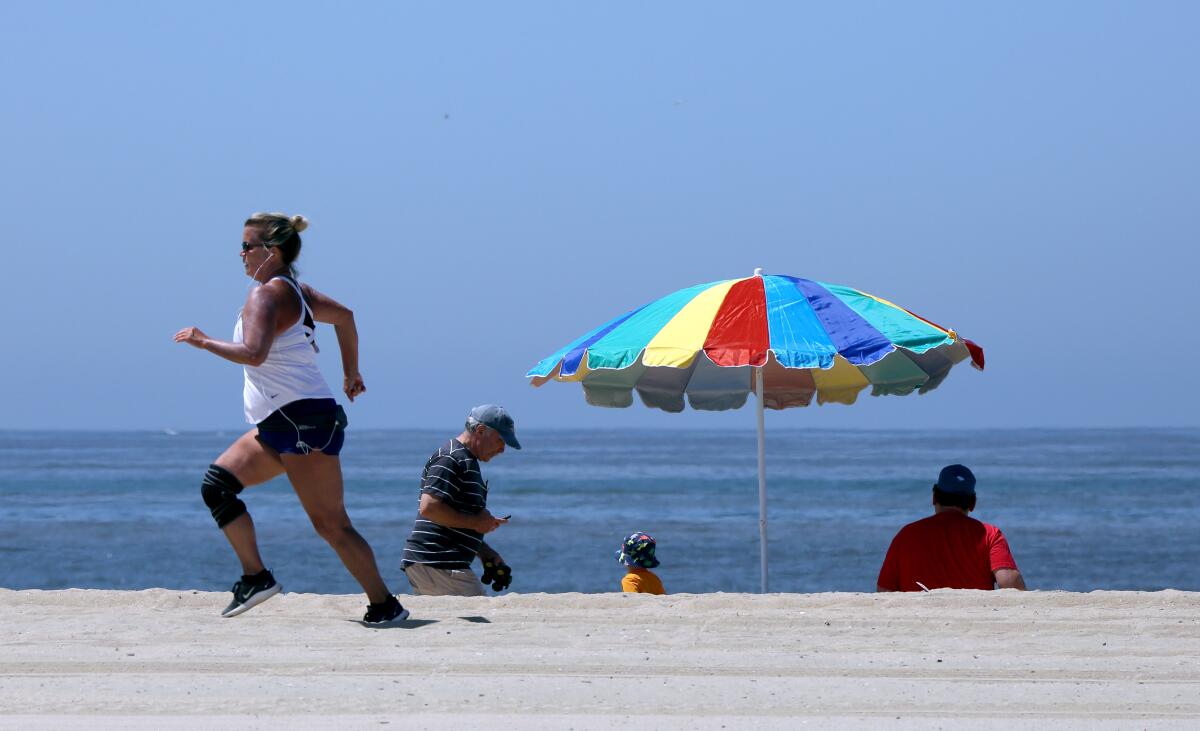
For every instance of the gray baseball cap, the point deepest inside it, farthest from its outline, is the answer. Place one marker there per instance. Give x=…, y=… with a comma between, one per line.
x=497, y=418
x=956, y=480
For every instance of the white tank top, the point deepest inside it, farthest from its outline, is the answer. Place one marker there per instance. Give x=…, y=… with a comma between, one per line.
x=290, y=372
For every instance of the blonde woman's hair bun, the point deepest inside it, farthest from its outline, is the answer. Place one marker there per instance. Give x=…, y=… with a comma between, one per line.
x=280, y=232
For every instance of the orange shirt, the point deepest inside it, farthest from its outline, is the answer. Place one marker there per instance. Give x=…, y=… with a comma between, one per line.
x=642, y=581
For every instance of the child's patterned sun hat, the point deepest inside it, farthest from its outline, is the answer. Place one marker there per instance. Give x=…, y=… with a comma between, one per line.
x=637, y=550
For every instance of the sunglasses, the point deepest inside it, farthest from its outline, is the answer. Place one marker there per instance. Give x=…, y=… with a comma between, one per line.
x=246, y=246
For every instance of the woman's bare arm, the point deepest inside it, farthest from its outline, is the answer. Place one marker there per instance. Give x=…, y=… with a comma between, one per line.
x=259, y=318
x=328, y=310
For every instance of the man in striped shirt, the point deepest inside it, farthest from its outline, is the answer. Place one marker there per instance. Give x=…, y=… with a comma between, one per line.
x=453, y=516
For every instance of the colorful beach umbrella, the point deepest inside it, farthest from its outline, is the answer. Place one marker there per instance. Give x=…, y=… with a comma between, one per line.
x=790, y=340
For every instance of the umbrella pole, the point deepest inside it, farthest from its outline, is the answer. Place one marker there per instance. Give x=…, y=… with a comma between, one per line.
x=762, y=476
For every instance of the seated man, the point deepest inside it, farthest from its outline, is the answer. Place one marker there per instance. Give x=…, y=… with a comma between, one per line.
x=950, y=550
x=452, y=515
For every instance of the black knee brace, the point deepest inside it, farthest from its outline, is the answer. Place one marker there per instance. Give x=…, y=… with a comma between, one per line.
x=220, y=490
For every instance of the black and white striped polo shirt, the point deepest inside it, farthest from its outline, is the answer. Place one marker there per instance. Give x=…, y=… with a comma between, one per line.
x=452, y=476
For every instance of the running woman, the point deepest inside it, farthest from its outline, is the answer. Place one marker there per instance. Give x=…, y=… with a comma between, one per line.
x=299, y=427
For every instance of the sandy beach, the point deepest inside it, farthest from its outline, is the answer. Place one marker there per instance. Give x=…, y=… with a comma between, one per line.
x=156, y=658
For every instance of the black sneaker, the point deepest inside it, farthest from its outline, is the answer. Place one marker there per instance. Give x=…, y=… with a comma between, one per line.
x=250, y=591
x=386, y=614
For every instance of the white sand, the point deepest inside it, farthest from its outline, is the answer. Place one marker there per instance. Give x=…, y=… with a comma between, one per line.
x=159, y=658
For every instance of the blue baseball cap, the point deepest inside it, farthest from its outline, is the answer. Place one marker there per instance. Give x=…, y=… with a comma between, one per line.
x=497, y=418
x=956, y=480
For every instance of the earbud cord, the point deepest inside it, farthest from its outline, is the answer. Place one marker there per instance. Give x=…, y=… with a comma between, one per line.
x=300, y=443
x=260, y=266
x=311, y=337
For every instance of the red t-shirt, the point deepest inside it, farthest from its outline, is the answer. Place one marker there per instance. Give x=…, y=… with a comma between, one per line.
x=948, y=550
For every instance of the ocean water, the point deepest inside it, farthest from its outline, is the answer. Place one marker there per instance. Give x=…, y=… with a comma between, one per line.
x=1082, y=509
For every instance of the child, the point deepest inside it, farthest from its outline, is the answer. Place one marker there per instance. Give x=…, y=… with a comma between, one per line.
x=637, y=552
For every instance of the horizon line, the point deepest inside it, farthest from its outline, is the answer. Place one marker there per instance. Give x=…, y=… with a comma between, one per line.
x=170, y=431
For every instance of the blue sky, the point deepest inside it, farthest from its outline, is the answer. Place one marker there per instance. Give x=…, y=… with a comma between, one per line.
x=487, y=181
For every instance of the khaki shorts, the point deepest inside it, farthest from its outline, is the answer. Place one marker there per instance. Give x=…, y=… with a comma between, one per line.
x=428, y=581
